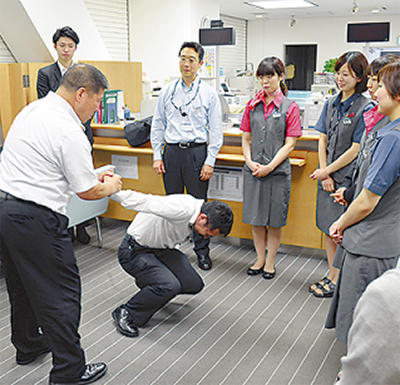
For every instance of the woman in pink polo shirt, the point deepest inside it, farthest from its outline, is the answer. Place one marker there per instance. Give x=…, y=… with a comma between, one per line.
x=271, y=125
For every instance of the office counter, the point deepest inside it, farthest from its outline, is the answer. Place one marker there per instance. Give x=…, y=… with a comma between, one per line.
x=300, y=229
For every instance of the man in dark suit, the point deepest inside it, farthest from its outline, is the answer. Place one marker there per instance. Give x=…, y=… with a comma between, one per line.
x=65, y=42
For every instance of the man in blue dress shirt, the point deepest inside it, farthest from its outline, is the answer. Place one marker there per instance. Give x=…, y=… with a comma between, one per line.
x=186, y=135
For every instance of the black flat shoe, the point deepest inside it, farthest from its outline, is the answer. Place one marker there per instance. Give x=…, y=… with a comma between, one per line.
x=267, y=275
x=253, y=272
x=124, y=322
x=92, y=373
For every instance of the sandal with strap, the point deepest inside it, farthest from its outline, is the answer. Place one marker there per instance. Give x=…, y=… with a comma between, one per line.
x=321, y=285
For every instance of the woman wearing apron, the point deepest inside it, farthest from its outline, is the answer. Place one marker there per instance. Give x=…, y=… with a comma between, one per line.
x=271, y=125
x=371, y=223
x=340, y=130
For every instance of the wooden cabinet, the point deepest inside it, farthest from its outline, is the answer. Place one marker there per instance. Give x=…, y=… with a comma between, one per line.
x=13, y=94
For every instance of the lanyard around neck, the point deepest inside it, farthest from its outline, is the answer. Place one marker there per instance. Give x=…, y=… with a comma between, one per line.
x=180, y=109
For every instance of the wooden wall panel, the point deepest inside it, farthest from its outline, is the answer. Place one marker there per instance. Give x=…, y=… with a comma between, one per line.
x=12, y=93
x=125, y=76
x=32, y=71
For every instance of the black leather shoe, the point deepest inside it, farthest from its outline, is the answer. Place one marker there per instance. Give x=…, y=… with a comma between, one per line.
x=92, y=373
x=204, y=262
x=25, y=359
x=267, y=275
x=81, y=235
x=124, y=322
x=254, y=271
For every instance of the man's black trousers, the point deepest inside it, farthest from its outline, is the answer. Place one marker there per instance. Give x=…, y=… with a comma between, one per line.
x=183, y=167
x=43, y=284
x=161, y=274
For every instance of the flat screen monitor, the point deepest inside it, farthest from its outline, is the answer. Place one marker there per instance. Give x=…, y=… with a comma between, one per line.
x=217, y=36
x=368, y=32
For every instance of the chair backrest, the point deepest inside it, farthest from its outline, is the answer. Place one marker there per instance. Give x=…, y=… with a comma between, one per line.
x=80, y=210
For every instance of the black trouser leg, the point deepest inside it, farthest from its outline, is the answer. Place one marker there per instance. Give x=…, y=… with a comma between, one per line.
x=183, y=167
x=25, y=334
x=160, y=274
x=43, y=282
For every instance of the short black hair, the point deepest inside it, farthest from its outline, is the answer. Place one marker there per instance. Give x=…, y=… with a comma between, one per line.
x=196, y=46
x=219, y=216
x=84, y=75
x=66, y=32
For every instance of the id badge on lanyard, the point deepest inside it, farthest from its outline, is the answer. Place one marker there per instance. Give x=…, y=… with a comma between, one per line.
x=186, y=125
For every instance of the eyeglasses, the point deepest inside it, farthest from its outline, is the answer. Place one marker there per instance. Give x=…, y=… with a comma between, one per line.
x=190, y=60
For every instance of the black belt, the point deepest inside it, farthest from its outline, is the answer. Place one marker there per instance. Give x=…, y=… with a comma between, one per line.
x=7, y=196
x=187, y=144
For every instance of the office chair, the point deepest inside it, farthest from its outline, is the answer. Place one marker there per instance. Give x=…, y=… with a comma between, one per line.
x=80, y=210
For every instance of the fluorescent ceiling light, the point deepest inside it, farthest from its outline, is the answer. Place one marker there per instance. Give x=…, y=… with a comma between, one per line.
x=280, y=4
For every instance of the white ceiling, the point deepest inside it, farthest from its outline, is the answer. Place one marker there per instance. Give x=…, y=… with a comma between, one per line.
x=326, y=8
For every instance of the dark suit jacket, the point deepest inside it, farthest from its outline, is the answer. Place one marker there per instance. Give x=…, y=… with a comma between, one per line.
x=48, y=79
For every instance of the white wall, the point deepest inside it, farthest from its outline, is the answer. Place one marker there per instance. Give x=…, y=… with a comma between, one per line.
x=268, y=38
x=28, y=26
x=159, y=27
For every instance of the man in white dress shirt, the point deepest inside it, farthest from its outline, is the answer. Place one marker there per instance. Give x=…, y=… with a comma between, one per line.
x=150, y=251
x=45, y=160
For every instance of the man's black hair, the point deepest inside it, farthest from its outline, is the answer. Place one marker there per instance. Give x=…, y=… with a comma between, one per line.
x=66, y=32
x=219, y=216
x=196, y=46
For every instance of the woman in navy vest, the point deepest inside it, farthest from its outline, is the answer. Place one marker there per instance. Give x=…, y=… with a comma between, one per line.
x=341, y=127
x=369, y=230
x=373, y=122
x=271, y=125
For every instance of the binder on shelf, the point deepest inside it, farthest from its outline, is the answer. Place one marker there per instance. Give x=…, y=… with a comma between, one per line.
x=112, y=107
x=110, y=112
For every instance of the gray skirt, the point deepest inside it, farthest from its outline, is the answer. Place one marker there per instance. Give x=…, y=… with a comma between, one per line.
x=356, y=273
x=265, y=200
x=327, y=211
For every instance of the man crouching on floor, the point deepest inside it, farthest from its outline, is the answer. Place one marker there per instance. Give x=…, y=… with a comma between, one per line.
x=149, y=251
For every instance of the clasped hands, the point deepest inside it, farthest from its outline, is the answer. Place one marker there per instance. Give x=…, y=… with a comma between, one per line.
x=108, y=176
x=259, y=170
x=335, y=233
x=322, y=175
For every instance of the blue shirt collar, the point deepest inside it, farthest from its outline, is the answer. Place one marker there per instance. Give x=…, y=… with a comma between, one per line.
x=389, y=127
x=346, y=104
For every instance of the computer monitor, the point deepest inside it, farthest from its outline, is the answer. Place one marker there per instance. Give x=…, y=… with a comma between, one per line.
x=217, y=36
x=368, y=32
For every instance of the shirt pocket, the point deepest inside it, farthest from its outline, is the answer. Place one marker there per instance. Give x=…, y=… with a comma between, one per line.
x=199, y=115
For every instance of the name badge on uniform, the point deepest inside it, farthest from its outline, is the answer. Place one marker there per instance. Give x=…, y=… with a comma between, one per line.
x=346, y=121
x=186, y=125
x=276, y=115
